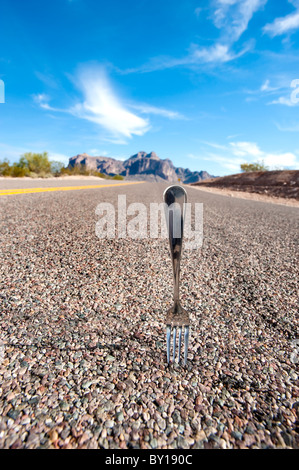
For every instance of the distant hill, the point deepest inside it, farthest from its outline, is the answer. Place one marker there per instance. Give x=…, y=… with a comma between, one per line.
x=283, y=183
x=141, y=166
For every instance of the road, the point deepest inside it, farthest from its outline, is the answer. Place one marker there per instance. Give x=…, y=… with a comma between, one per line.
x=82, y=341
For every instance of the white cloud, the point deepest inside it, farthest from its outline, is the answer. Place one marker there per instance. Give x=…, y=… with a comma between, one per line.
x=218, y=53
x=285, y=24
x=267, y=88
x=148, y=109
x=251, y=152
x=103, y=107
x=235, y=15
x=232, y=18
x=281, y=160
x=226, y=162
x=231, y=156
x=244, y=149
x=42, y=100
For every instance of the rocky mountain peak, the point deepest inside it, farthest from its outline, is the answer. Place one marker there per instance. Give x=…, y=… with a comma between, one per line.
x=142, y=166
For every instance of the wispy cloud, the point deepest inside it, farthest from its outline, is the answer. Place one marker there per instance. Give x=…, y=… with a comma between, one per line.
x=233, y=16
x=102, y=106
x=245, y=149
x=43, y=101
x=217, y=53
x=231, y=156
x=285, y=24
x=148, y=109
x=267, y=88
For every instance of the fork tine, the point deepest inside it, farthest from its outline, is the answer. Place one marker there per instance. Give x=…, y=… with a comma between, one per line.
x=186, y=344
x=174, y=343
x=168, y=335
x=180, y=342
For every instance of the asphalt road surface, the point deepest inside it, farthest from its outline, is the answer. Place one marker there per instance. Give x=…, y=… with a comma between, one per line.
x=82, y=334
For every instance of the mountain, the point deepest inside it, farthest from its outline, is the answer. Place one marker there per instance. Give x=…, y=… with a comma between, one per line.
x=141, y=166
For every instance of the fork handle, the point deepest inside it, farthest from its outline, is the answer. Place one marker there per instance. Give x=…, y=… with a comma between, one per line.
x=175, y=197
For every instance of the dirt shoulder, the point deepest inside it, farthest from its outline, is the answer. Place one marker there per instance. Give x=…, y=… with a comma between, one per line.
x=252, y=196
x=280, y=187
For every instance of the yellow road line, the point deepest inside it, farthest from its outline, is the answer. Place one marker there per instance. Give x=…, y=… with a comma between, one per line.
x=10, y=192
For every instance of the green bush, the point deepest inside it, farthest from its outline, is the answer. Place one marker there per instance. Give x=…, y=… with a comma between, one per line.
x=36, y=162
x=81, y=170
x=75, y=170
x=5, y=168
x=19, y=172
x=98, y=174
x=248, y=167
x=16, y=170
x=117, y=177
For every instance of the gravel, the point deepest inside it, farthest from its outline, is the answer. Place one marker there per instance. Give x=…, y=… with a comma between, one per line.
x=82, y=338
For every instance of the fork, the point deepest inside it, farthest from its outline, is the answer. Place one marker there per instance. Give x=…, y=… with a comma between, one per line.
x=174, y=199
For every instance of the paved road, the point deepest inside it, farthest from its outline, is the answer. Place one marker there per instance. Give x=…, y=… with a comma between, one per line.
x=82, y=341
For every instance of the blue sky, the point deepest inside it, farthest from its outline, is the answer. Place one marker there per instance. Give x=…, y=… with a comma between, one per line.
x=209, y=84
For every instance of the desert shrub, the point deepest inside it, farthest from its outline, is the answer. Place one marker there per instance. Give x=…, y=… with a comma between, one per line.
x=36, y=162
x=65, y=171
x=79, y=170
x=18, y=172
x=248, y=167
x=117, y=177
x=98, y=174
x=5, y=168
x=76, y=170
x=70, y=171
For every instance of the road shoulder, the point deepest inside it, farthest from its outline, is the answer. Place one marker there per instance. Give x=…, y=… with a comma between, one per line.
x=251, y=196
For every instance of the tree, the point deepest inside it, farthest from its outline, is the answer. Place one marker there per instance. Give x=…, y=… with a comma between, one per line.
x=35, y=162
x=248, y=167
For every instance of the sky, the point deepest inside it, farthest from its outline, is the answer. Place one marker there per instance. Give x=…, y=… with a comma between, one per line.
x=209, y=84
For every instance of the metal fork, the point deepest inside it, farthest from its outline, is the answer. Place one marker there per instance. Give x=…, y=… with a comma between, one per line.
x=174, y=198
